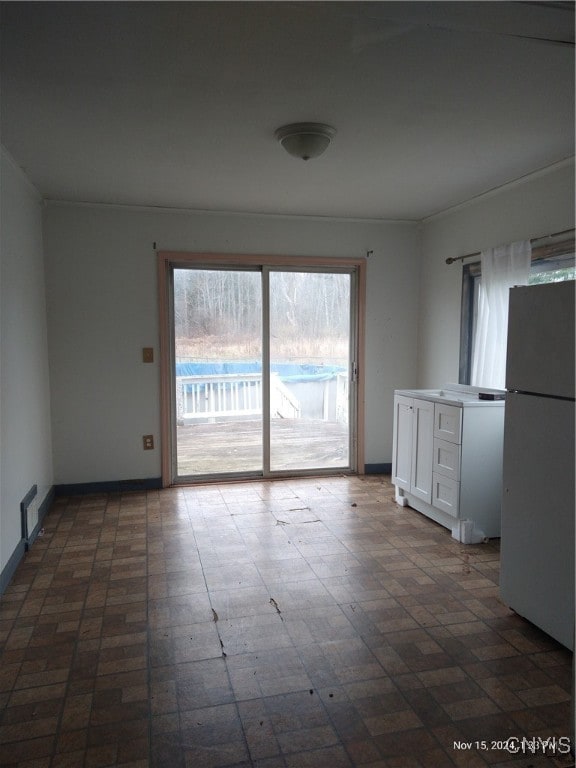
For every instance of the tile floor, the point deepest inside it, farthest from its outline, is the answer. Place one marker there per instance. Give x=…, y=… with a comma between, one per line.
x=306, y=623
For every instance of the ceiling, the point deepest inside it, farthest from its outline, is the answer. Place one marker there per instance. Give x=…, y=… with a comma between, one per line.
x=175, y=104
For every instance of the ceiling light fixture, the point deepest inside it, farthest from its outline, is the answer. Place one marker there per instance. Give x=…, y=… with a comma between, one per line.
x=305, y=140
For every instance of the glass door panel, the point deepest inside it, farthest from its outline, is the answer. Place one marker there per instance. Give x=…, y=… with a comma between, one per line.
x=218, y=372
x=310, y=354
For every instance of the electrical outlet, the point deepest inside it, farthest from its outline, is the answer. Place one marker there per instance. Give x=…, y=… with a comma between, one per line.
x=147, y=355
x=148, y=442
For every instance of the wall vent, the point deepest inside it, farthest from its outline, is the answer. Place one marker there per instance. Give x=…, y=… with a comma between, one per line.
x=29, y=514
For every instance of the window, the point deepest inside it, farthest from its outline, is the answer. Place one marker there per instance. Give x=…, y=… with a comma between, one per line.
x=553, y=260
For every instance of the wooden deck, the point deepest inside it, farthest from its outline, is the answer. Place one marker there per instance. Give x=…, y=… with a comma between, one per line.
x=234, y=447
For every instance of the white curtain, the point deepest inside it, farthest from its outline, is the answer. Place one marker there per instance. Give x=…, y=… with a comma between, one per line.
x=502, y=267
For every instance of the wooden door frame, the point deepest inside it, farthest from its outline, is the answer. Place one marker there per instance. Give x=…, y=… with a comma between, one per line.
x=168, y=259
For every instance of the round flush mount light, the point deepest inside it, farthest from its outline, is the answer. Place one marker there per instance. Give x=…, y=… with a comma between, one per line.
x=305, y=140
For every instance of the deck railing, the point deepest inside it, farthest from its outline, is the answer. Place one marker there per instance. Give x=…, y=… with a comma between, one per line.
x=231, y=395
x=283, y=404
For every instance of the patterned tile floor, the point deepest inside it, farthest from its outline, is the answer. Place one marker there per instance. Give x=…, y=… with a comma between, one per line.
x=306, y=623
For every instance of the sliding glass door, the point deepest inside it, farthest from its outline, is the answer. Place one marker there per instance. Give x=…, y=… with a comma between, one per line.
x=310, y=364
x=261, y=370
x=217, y=372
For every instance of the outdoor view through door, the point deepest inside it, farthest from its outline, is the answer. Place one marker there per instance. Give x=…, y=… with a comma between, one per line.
x=262, y=362
x=309, y=333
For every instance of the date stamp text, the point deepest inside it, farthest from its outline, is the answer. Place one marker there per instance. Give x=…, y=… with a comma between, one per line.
x=538, y=745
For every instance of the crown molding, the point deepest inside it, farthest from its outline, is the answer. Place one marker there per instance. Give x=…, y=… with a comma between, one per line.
x=21, y=172
x=565, y=163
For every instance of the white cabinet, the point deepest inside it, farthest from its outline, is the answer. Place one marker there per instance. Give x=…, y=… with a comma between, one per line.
x=447, y=457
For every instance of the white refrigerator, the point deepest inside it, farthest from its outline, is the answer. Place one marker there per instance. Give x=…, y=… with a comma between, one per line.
x=538, y=503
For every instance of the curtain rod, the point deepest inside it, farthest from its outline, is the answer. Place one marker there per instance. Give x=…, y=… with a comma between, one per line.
x=452, y=259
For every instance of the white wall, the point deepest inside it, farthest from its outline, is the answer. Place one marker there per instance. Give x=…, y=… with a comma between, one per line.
x=25, y=440
x=102, y=309
x=101, y=289
x=539, y=205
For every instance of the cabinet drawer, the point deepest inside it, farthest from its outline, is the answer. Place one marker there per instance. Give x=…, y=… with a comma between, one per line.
x=445, y=494
x=447, y=422
x=446, y=459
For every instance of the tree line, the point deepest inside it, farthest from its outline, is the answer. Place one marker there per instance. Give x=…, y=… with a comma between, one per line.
x=217, y=302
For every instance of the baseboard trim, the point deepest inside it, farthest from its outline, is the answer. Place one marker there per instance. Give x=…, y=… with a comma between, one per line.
x=378, y=469
x=10, y=568
x=108, y=486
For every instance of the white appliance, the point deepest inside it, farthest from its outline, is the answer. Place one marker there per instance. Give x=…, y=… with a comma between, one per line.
x=538, y=499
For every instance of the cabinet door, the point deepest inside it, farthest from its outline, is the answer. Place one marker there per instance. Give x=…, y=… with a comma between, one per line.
x=402, y=446
x=422, y=449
